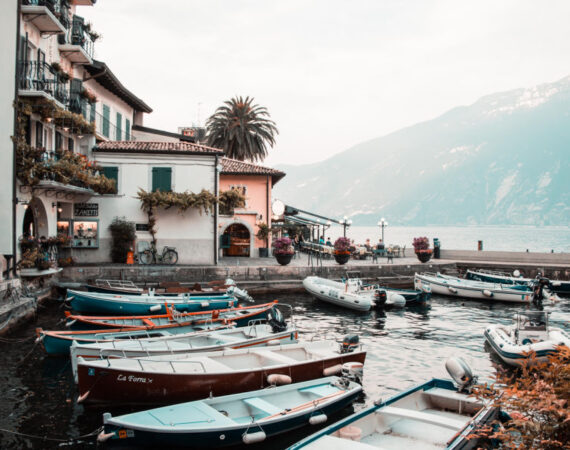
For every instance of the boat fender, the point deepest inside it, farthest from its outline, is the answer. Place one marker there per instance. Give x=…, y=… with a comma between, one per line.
x=349, y=343
x=452, y=290
x=396, y=300
x=253, y=438
x=351, y=433
x=333, y=370
x=273, y=342
x=215, y=314
x=39, y=339
x=460, y=371
x=556, y=283
x=275, y=320
x=318, y=419
x=516, y=273
x=104, y=437
x=204, y=304
x=526, y=341
x=70, y=324
x=352, y=370
x=155, y=308
x=279, y=379
x=82, y=398
x=151, y=292
x=487, y=292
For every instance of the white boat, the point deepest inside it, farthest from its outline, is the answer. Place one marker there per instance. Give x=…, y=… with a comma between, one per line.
x=429, y=416
x=205, y=341
x=457, y=287
x=556, y=286
x=530, y=333
x=350, y=293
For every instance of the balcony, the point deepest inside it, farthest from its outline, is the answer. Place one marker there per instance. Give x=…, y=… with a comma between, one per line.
x=48, y=16
x=77, y=44
x=38, y=79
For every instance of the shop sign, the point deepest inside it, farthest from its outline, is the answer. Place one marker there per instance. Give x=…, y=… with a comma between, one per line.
x=86, y=209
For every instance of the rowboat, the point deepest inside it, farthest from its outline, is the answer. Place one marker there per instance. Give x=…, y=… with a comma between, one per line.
x=431, y=415
x=529, y=334
x=173, y=378
x=243, y=418
x=556, y=286
x=123, y=304
x=206, y=341
x=457, y=287
x=241, y=316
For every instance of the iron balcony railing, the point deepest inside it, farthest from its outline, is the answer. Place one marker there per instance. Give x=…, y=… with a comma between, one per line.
x=59, y=9
x=78, y=34
x=39, y=76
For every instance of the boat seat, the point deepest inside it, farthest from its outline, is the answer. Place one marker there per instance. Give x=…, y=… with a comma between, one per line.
x=322, y=390
x=262, y=405
x=450, y=395
x=421, y=416
x=274, y=356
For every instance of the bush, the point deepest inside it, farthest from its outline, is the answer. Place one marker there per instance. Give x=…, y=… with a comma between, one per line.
x=123, y=236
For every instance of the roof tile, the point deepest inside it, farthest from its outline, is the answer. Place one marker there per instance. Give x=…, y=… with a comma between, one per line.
x=154, y=147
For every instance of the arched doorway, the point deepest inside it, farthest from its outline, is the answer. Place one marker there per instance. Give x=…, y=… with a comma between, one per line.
x=237, y=239
x=35, y=223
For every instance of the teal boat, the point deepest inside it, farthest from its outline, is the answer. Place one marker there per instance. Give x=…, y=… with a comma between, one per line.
x=124, y=304
x=238, y=419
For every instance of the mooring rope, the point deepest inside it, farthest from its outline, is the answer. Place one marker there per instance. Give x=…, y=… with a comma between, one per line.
x=46, y=438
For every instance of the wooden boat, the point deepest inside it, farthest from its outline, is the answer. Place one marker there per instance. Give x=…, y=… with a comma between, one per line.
x=237, y=419
x=530, y=333
x=431, y=415
x=122, y=304
x=556, y=286
x=457, y=287
x=241, y=316
x=171, y=378
x=207, y=341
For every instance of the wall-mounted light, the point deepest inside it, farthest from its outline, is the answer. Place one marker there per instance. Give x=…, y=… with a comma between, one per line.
x=24, y=203
x=49, y=119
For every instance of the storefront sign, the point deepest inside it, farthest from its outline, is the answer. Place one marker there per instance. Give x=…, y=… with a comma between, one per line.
x=86, y=209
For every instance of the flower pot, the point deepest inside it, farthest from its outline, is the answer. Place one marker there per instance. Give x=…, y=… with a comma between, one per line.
x=284, y=259
x=424, y=255
x=341, y=258
x=263, y=252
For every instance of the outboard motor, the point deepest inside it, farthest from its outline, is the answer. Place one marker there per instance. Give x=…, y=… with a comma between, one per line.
x=538, y=289
x=352, y=371
x=276, y=320
x=461, y=373
x=349, y=343
x=380, y=297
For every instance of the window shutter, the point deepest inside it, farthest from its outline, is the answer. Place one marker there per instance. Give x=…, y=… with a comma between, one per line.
x=112, y=173
x=58, y=141
x=106, y=116
x=70, y=144
x=161, y=179
x=127, y=130
x=75, y=95
x=92, y=116
x=39, y=135
x=119, y=136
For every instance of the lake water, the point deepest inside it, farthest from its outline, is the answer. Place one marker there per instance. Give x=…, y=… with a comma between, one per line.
x=405, y=347
x=511, y=238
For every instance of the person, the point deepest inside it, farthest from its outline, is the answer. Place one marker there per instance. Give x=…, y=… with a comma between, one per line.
x=329, y=242
x=380, y=245
x=367, y=245
x=322, y=240
x=296, y=242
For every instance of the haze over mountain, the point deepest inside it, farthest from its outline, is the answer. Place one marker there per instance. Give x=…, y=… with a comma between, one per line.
x=502, y=160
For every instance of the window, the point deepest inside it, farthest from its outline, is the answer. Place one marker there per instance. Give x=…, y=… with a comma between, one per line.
x=58, y=141
x=161, y=179
x=70, y=144
x=113, y=174
x=106, y=117
x=119, y=136
x=39, y=135
x=127, y=130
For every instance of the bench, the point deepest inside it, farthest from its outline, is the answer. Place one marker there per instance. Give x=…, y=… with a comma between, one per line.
x=322, y=390
x=424, y=417
x=262, y=405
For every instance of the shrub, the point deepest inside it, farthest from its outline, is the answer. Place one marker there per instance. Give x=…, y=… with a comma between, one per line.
x=123, y=235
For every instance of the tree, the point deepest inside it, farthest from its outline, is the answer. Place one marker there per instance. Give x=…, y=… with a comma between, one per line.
x=241, y=129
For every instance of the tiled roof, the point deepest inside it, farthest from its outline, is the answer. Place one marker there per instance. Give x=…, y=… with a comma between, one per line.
x=154, y=147
x=235, y=167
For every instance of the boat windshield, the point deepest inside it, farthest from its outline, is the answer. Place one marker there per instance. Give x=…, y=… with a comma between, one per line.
x=532, y=320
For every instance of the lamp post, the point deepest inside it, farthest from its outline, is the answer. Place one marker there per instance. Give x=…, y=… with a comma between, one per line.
x=382, y=224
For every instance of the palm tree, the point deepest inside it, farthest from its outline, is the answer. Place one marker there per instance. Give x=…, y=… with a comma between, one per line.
x=241, y=129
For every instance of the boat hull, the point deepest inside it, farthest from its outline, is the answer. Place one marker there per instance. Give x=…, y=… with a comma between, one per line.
x=556, y=286
x=335, y=293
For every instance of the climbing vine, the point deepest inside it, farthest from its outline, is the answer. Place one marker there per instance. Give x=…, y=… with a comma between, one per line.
x=231, y=199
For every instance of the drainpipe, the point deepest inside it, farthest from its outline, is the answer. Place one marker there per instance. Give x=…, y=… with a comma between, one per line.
x=14, y=186
x=216, y=193
x=267, y=208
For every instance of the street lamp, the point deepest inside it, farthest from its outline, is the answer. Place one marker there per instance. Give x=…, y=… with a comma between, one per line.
x=345, y=223
x=382, y=224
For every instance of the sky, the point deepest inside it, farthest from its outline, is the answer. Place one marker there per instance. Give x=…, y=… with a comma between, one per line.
x=332, y=73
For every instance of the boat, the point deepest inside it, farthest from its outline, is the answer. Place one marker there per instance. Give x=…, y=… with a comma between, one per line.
x=237, y=419
x=431, y=415
x=241, y=316
x=411, y=296
x=351, y=294
x=556, y=286
x=457, y=287
x=529, y=334
x=114, y=287
x=174, y=378
x=59, y=342
x=124, y=304
x=207, y=341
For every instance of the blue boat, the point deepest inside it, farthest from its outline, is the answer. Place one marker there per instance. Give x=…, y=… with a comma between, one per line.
x=431, y=415
x=122, y=304
x=556, y=286
x=238, y=419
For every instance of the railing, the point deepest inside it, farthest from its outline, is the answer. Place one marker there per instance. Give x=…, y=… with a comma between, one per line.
x=78, y=35
x=57, y=7
x=39, y=76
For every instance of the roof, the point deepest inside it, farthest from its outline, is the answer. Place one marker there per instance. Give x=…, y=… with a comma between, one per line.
x=236, y=167
x=163, y=133
x=188, y=148
x=101, y=73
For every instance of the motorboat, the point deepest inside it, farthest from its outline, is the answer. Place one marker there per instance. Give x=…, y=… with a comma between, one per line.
x=243, y=418
x=530, y=334
x=556, y=286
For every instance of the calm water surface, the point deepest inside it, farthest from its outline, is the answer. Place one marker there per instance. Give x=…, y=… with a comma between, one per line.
x=405, y=347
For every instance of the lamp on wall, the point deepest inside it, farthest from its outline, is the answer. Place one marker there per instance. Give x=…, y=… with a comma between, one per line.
x=24, y=203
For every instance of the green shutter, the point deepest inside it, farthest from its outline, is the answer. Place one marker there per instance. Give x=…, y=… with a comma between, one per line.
x=112, y=173
x=92, y=114
x=127, y=130
x=106, y=116
x=161, y=179
x=119, y=136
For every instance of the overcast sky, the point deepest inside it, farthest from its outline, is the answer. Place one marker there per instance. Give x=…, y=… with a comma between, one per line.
x=331, y=73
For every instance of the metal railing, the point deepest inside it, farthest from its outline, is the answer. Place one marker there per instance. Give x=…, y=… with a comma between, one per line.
x=58, y=8
x=77, y=34
x=39, y=76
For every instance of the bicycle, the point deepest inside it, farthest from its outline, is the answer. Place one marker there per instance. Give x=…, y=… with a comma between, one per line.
x=169, y=255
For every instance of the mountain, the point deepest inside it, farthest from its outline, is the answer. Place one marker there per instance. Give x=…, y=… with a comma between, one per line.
x=502, y=160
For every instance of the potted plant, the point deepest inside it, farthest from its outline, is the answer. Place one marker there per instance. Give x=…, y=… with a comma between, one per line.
x=262, y=234
x=283, y=250
x=342, y=250
x=421, y=248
